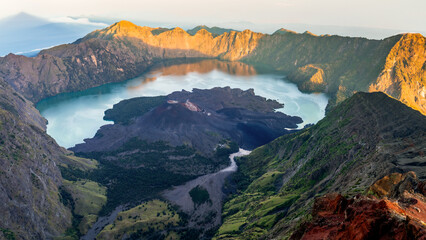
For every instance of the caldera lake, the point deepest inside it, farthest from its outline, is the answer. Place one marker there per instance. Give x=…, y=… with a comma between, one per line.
x=73, y=117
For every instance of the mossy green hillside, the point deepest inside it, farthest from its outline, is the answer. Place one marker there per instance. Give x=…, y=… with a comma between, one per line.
x=89, y=198
x=148, y=218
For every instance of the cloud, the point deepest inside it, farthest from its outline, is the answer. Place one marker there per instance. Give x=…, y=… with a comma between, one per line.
x=83, y=21
x=34, y=50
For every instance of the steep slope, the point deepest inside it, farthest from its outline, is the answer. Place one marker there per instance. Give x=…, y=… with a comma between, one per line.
x=31, y=206
x=394, y=209
x=230, y=45
x=339, y=66
x=365, y=138
x=334, y=64
x=404, y=73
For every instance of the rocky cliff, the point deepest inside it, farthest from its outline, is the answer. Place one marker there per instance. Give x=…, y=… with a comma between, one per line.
x=404, y=73
x=337, y=65
x=31, y=206
x=394, y=209
x=362, y=140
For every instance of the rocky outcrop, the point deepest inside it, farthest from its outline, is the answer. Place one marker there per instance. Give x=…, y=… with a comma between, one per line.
x=400, y=215
x=31, y=206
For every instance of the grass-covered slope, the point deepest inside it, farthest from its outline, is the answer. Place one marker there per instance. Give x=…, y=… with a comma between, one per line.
x=153, y=219
x=89, y=197
x=363, y=139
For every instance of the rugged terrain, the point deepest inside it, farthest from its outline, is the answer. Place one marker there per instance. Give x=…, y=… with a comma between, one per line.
x=37, y=202
x=394, y=209
x=339, y=66
x=182, y=136
x=363, y=139
x=31, y=206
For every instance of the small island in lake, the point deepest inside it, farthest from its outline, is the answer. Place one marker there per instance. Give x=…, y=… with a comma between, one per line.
x=201, y=119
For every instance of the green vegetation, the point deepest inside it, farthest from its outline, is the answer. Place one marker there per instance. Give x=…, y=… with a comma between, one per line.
x=147, y=219
x=199, y=195
x=140, y=170
x=85, y=198
x=89, y=198
x=83, y=164
x=9, y=235
x=125, y=110
x=225, y=148
x=127, y=181
x=278, y=182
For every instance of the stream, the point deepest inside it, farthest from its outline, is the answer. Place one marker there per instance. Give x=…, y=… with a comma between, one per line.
x=179, y=195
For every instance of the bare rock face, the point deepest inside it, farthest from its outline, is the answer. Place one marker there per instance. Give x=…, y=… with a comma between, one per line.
x=30, y=207
x=404, y=73
x=231, y=45
x=398, y=213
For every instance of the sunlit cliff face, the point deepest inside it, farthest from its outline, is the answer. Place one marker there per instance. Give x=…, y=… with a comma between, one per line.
x=229, y=46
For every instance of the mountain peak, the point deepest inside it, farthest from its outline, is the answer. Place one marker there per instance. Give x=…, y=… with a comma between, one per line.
x=124, y=23
x=121, y=28
x=309, y=33
x=215, y=31
x=178, y=29
x=22, y=19
x=203, y=31
x=284, y=30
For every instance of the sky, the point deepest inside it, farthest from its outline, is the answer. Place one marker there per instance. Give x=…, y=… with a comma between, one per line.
x=406, y=15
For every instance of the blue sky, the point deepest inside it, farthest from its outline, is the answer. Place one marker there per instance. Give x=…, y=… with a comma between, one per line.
x=406, y=15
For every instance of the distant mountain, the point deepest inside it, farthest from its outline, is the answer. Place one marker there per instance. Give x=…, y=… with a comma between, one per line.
x=21, y=20
x=365, y=138
x=216, y=31
x=28, y=34
x=338, y=66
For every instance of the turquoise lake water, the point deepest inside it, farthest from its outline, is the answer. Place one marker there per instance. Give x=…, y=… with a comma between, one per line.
x=75, y=116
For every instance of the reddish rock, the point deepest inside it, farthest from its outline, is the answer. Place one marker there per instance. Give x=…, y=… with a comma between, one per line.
x=335, y=217
x=399, y=214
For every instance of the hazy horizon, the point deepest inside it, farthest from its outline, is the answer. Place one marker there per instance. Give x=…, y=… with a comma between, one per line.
x=406, y=16
x=23, y=18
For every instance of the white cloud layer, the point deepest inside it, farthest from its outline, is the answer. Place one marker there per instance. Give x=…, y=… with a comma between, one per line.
x=84, y=21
